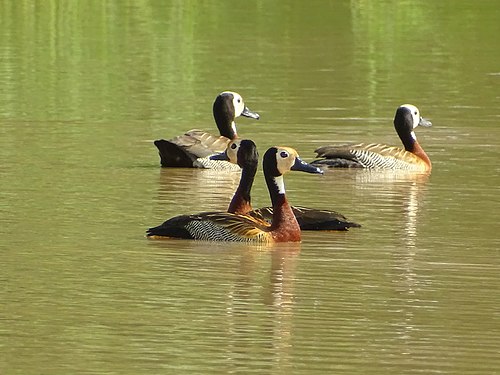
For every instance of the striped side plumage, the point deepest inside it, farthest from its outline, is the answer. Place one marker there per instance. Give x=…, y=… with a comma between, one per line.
x=215, y=226
x=224, y=227
x=216, y=165
x=369, y=155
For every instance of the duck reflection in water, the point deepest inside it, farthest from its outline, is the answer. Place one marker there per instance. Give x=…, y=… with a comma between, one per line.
x=276, y=296
x=398, y=195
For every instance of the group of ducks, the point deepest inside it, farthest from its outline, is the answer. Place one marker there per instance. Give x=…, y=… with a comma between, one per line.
x=280, y=222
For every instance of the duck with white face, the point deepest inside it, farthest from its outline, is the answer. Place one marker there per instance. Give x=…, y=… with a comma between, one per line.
x=225, y=226
x=381, y=156
x=184, y=150
x=244, y=153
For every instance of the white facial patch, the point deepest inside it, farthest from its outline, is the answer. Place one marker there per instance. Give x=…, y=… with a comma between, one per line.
x=415, y=114
x=238, y=104
x=285, y=158
x=232, y=151
x=280, y=184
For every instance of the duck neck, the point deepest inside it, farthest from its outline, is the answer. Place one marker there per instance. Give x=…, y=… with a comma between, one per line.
x=228, y=130
x=419, y=151
x=284, y=225
x=411, y=145
x=226, y=126
x=241, y=202
x=407, y=138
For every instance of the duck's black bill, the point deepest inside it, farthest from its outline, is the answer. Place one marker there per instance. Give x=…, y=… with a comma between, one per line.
x=221, y=156
x=302, y=166
x=424, y=122
x=247, y=113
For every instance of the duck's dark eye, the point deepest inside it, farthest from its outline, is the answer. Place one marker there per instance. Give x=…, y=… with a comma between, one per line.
x=284, y=154
x=239, y=100
x=233, y=146
x=416, y=113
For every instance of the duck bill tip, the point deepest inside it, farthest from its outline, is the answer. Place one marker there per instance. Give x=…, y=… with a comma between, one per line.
x=302, y=166
x=424, y=122
x=220, y=156
x=247, y=113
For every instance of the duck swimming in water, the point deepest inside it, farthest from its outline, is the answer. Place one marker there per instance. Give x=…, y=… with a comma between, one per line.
x=225, y=226
x=244, y=153
x=380, y=156
x=189, y=150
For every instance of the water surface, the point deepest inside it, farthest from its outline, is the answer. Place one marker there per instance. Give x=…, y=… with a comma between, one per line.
x=87, y=86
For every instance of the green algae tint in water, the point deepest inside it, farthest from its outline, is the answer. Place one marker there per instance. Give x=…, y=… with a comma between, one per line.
x=87, y=86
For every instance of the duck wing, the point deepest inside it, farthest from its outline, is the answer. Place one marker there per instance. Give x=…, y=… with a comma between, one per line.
x=183, y=150
x=315, y=219
x=339, y=156
x=310, y=218
x=214, y=226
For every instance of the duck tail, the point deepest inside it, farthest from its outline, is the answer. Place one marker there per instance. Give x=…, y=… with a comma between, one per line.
x=172, y=228
x=171, y=155
x=334, y=224
x=313, y=219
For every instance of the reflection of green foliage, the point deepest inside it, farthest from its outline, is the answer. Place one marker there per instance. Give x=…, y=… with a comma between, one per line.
x=390, y=37
x=398, y=40
x=88, y=59
x=76, y=57
x=139, y=59
x=383, y=29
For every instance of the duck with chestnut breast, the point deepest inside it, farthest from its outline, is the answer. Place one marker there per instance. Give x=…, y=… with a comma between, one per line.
x=244, y=153
x=380, y=156
x=225, y=226
x=186, y=150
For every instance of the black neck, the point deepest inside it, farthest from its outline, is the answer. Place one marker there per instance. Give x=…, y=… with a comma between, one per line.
x=404, y=127
x=226, y=130
x=224, y=115
x=246, y=182
x=277, y=198
x=408, y=141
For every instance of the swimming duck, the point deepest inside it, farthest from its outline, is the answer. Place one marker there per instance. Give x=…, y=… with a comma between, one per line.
x=244, y=153
x=380, y=156
x=184, y=150
x=225, y=226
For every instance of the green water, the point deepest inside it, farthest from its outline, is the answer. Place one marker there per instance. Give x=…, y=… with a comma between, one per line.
x=86, y=86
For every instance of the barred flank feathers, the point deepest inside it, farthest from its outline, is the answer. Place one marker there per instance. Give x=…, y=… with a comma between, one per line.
x=216, y=165
x=214, y=226
x=385, y=157
x=369, y=155
x=210, y=231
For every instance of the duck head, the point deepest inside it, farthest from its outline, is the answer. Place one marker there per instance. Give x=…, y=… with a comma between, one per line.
x=407, y=118
x=227, y=107
x=279, y=160
x=240, y=151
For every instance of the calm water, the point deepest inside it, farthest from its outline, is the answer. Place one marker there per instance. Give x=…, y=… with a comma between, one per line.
x=85, y=88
